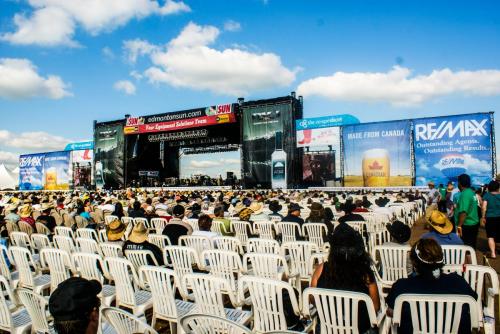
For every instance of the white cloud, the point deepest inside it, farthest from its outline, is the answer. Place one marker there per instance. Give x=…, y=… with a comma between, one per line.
x=231, y=25
x=204, y=163
x=136, y=75
x=125, y=86
x=476, y=166
x=9, y=159
x=19, y=80
x=108, y=53
x=422, y=166
x=33, y=141
x=137, y=47
x=231, y=161
x=399, y=88
x=188, y=61
x=53, y=22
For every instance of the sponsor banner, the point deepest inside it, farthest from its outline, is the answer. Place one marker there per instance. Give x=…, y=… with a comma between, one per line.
x=325, y=122
x=86, y=145
x=31, y=171
x=446, y=147
x=179, y=120
x=319, y=137
x=109, y=145
x=82, y=156
x=318, y=169
x=377, y=154
x=56, y=170
x=149, y=173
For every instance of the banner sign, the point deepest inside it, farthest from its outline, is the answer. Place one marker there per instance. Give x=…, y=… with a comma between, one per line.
x=149, y=173
x=86, y=145
x=174, y=121
x=109, y=146
x=325, y=122
x=377, y=154
x=319, y=137
x=31, y=171
x=82, y=156
x=318, y=169
x=56, y=170
x=446, y=147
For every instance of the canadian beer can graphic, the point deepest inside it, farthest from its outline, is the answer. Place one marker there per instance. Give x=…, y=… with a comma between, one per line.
x=51, y=178
x=376, y=168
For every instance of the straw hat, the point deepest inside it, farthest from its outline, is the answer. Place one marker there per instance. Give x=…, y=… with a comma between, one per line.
x=12, y=207
x=47, y=206
x=139, y=234
x=115, y=230
x=256, y=207
x=238, y=207
x=440, y=222
x=25, y=211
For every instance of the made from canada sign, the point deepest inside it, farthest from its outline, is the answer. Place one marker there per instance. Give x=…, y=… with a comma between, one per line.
x=195, y=118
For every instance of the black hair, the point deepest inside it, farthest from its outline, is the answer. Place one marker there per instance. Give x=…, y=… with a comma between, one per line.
x=493, y=186
x=136, y=205
x=464, y=180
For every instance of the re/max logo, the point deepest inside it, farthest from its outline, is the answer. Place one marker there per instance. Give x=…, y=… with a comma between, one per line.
x=465, y=128
x=33, y=161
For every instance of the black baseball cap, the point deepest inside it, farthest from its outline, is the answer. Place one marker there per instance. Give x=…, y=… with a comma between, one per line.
x=74, y=298
x=399, y=231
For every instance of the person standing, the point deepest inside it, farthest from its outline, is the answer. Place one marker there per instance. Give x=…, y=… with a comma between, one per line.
x=491, y=216
x=467, y=213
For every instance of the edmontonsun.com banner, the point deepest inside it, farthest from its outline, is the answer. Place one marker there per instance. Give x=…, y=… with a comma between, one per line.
x=448, y=146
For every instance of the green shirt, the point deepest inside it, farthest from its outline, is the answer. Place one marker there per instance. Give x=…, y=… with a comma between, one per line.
x=442, y=192
x=493, y=207
x=468, y=203
x=227, y=225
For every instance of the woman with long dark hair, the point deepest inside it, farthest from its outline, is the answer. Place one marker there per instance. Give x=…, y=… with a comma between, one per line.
x=118, y=210
x=349, y=268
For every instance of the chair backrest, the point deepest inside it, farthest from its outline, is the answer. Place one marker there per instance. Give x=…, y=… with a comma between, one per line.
x=42, y=229
x=241, y=231
x=223, y=264
x=218, y=227
x=5, y=315
x=140, y=257
x=266, y=246
x=315, y=232
x=272, y=266
x=160, y=282
x=159, y=240
x=145, y=221
x=208, y=293
x=81, y=222
x=21, y=239
x=197, y=323
x=393, y=260
x=358, y=226
x=24, y=262
x=182, y=260
x=86, y=245
x=194, y=223
x=36, y=306
x=63, y=242
x=39, y=241
x=377, y=239
x=111, y=249
x=25, y=227
x=109, y=218
x=266, y=296
x=89, y=266
x=442, y=313
x=228, y=243
x=289, y=231
x=198, y=243
x=57, y=216
x=127, y=220
x=301, y=257
x=338, y=310
x=457, y=254
x=159, y=224
x=59, y=263
x=87, y=233
x=11, y=226
x=69, y=220
x=5, y=260
x=123, y=273
x=103, y=235
x=265, y=229
x=64, y=231
x=124, y=322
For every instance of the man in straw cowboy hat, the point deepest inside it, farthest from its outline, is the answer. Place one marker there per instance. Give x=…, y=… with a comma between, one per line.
x=441, y=230
x=11, y=212
x=138, y=240
x=115, y=231
x=45, y=218
x=25, y=212
x=258, y=211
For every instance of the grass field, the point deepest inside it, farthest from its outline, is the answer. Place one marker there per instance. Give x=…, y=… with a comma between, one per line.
x=394, y=181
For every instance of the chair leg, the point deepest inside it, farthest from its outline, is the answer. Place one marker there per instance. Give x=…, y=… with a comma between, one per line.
x=153, y=321
x=173, y=327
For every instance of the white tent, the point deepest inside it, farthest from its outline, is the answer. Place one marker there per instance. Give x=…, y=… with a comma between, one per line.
x=7, y=180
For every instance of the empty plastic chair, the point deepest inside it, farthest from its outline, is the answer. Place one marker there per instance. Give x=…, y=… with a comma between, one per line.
x=124, y=322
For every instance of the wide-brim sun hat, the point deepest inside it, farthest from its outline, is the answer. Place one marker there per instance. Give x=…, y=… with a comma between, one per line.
x=439, y=222
x=25, y=211
x=115, y=230
x=139, y=234
x=47, y=206
x=256, y=207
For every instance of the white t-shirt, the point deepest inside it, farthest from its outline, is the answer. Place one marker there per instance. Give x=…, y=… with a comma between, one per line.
x=208, y=234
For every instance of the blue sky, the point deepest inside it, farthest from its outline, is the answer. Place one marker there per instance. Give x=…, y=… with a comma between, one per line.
x=64, y=64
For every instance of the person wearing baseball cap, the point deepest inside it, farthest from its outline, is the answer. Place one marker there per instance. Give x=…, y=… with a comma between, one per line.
x=75, y=306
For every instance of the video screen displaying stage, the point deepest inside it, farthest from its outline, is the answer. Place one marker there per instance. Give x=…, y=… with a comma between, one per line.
x=221, y=168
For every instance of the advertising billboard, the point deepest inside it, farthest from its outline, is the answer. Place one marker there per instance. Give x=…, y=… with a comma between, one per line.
x=325, y=122
x=446, y=147
x=318, y=169
x=319, y=137
x=56, y=170
x=82, y=161
x=377, y=154
x=31, y=171
x=109, y=145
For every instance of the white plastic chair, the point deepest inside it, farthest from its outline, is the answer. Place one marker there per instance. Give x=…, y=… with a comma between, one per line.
x=91, y=266
x=265, y=229
x=65, y=243
x=111, y=249
x=28, y=278
x=159, y=224
x=208, y=292
x=128, y=292
x=457, y=254
x=181, y=259
x=377, y=239
x=87, y=233
x=194, y=223
x=393, y=260
x=87, y=245
x=228, y=243
x=198, y=323
x=36, y=306
x=25, y=227
x=266, y=246
x=64, y=231
x=127, y=220
x=20, y=239
x=338, y=309
x=109, y=218
x=224, y=264
x=140, y=258
x=315, y=232
x=42, y=229
x=11, y=276
x=160, y=240
x=145, y=222
x=39, y=241
x=271, y=266
x=59, y=263
x=289, y=231
x=165, y=306
x=81, y=222
x=198, y=243
x=12, y=320
x=103, y=235
x=358, y=226
x=241, y=231
x=124, y=322
x=433, y=319
x=302, y=256
x=218, y=227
